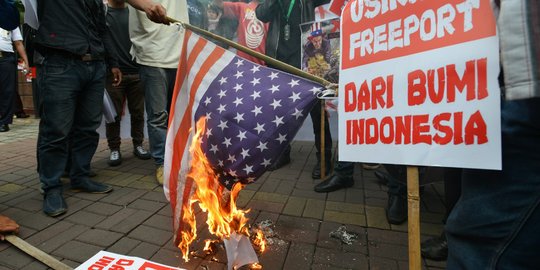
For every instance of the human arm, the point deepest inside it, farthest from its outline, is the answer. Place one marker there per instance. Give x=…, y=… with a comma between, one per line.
x=7, y=226
x=19, y=46
x=154, y=11
x=230, y=9
x=267, y=10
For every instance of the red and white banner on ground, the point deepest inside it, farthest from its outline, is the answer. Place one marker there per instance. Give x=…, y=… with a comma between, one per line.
x=105, y=260
x=418, y=83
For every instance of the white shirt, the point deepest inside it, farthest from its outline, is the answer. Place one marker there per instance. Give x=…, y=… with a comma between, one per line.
x=7, y=38
x=157, y=45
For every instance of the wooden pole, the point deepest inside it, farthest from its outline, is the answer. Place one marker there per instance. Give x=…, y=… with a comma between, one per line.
x=323, y=150
x=37, y=253
x=413, y=199
x=269, y=60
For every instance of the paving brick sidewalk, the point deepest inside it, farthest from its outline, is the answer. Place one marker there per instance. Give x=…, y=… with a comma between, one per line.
x=135, y=218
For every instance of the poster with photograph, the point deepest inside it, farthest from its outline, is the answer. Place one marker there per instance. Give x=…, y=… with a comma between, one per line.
x=320, y=49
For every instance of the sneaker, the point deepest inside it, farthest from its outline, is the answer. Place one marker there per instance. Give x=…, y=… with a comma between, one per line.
x=115, y=158
x=54, y=203
x=159, y=175
x=90, y=186
x=140, y=152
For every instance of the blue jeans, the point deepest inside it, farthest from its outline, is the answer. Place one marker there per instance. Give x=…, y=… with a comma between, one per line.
x=494, y=225
x=71, y=102
x=158, y=84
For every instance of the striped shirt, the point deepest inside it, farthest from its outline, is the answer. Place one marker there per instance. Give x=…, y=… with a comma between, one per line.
x=519, y=32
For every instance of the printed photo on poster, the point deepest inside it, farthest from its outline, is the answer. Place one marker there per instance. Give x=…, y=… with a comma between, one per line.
x=320, y=49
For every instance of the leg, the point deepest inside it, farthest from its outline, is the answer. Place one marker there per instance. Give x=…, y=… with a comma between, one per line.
x=8, y=69
x=156, y=91
x=494, y=223
x=59, y=83
x=436, y=248
x=117, y=95
x=88, y=114
x=396, y=211
x=135, y=97
x=112, y=130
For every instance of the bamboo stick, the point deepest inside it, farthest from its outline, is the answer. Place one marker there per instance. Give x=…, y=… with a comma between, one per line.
x=37, y=253
x=413, y=199
x=269, y=60
x=323, y=150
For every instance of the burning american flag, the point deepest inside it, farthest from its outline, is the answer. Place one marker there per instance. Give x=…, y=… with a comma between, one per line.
x=250, y=114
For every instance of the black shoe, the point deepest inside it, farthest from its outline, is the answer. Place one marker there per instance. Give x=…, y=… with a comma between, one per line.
x=316, y=172
x=396, y=211
x=4, y=128
x=22, y=115
x=435, y=248
x=282, y=161
x=334, y=182
x=54, y=203
x=90, y=186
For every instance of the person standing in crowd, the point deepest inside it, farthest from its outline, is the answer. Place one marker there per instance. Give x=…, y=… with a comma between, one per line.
x=72, y=81
x=130, y=88
x=252, y=33
x=156, y=49
x=284, y=44
x=494, y=224
x=8, y=73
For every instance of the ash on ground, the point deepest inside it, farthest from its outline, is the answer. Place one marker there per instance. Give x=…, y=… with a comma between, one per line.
x=343, y=235
x=267, y=227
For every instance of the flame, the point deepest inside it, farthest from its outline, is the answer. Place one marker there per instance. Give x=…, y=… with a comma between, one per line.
x=260, y=241
x=223, y=217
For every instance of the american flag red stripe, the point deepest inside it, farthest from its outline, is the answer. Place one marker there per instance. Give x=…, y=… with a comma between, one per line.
x=181, y=124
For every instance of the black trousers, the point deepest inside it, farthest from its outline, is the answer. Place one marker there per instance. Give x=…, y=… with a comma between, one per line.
x=8, y=78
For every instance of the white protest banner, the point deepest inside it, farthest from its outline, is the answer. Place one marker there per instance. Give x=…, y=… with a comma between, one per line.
x=105, y=260
x=418, y=83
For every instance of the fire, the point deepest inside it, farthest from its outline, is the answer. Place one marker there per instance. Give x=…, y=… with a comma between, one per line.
x=260, y=241
x=223, y=217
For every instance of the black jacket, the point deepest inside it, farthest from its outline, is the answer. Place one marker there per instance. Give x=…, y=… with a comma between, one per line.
x=74, y=26
x=269, y=11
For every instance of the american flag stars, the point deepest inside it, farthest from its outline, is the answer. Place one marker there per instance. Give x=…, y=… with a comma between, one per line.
x=255, y=112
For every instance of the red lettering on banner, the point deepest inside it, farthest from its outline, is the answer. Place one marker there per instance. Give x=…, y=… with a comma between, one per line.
x=473, y=82
x=379, y=95
x=444, y=129
x=476, y=128
x=441, y=129
x=125, y=262
x=101, y=263
x=375, y=31
x=403, y=129
x=421, y=129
